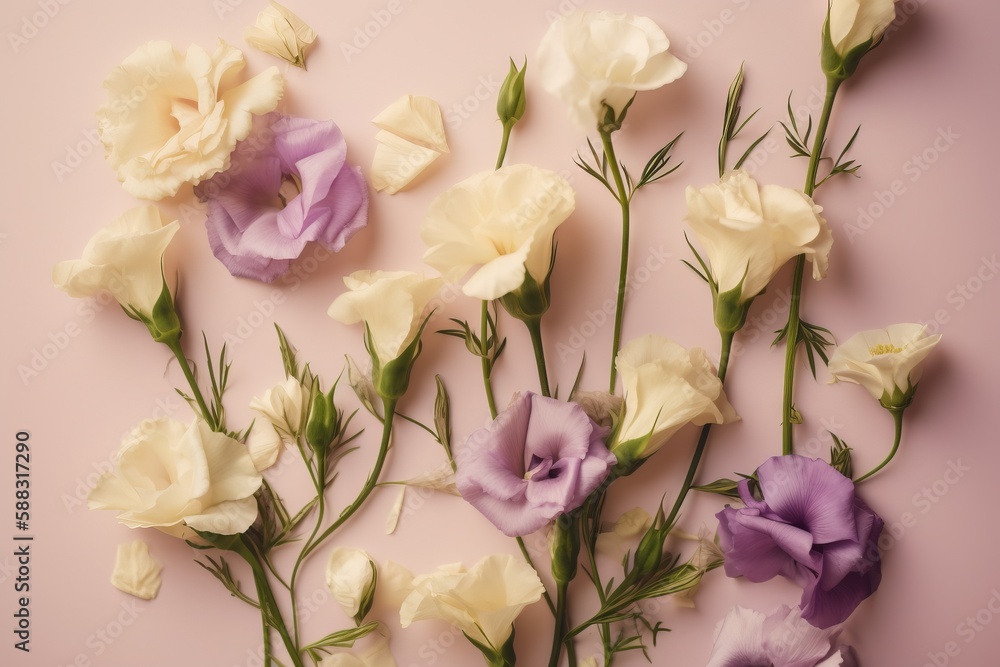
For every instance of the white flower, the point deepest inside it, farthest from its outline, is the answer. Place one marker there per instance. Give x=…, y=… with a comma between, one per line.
x=177, y=478
x=625, y=534
x=750, y=231
x=482, y=602
x=886, y=362
x=174, y=118
x=284, y=406
x=411, y=137
x=125, y=259
x=136, y=573
x=390, y=303
x=500, y=222
x=591, y=58
x=666, y=387
x=281, y=33
x=706, y=554
x=854, y=23
x=748, y=637
x=350, y=576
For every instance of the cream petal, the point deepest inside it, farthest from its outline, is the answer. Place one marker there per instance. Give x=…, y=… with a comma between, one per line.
x=136, y=573
x=264, y=445
x=349, y=576
x=231, y=517
x=397, y=162
x=416, y=119
x=392, y=519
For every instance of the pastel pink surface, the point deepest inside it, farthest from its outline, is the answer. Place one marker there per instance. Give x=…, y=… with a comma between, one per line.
x=916, y=240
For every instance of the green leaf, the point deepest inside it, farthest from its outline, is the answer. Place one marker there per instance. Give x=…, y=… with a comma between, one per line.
x=722, y=487
x=220, y=570
x=658, y=165
x=340, y=639
x=287, y=354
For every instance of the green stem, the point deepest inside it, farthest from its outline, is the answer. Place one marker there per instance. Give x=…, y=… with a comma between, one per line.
x=623, y=200
x=535, y=330
x=269, y=609
x=503, y=143
x=174, y=343
x=267, y=637
x=727, y=346
x=560, y=624
x=897, y=418
x=320, y=511
x=527, y=559
x=484, y=332
x=389, y=407
x=794, y=306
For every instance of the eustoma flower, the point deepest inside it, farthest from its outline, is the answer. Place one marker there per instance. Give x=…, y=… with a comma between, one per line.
x=540, y=458
x=592, y=59
x=810, y=528
x=178, y=478
x=500, y=224
x=393, y=305
x=852, y=29
x=886, y=362
x=749, y=232
x=350, y=576
x=748, y=638
x=666, y=387
x=124, y=259
x=482, y=602
x=172, y=119
x=289, y=184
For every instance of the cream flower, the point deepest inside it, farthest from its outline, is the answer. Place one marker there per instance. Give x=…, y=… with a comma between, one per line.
x=178, y=478
x=590, y=58
x=174, y=118
x=482, y=602
x=281, y=33
x=750, y=231
x=500, y=222
x=284, y=406
x=886, y=362
x=124, y=259
x=666, y=387
x=350, y=576
x=411, y=137
x=390, y=303
x=853, y=23
x=136, y=573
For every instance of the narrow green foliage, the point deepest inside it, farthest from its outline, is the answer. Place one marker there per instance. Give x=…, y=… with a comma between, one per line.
x=815, y=340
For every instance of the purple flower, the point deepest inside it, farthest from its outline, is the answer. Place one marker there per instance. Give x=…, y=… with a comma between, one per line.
x=748, y=638
x=810, y=528
x=540, y=458
x=289, y=184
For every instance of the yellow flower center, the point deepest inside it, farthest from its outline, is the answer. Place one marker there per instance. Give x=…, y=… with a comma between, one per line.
x=884, y=348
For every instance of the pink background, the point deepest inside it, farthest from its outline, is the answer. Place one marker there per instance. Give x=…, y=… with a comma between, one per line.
x=934, y=78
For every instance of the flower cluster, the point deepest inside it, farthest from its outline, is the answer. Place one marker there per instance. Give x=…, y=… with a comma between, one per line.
x=273, y=183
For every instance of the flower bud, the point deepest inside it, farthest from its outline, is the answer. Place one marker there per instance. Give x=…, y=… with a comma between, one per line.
x=324, y=420
x=650, y=550
x=511, y=100
x=352, y=577
x=565, y=549
x=852, y=29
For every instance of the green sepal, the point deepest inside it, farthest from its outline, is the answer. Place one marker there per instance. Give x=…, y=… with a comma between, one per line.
x=840, y=67
x=368, y=598
x=531, y=300
x=898, y=399
x=392, y=378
